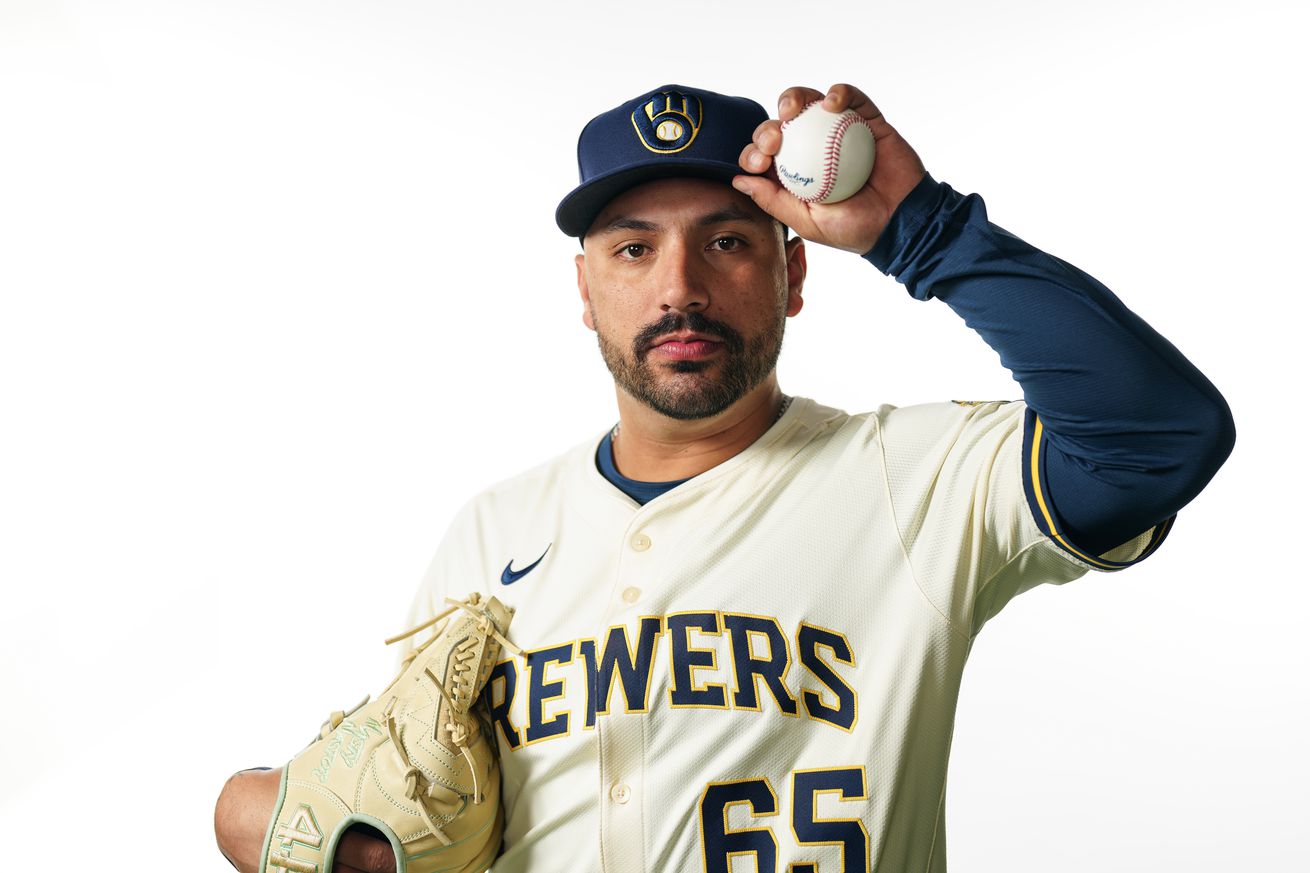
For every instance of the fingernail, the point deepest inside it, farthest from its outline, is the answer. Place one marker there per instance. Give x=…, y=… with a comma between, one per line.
x=741, y=185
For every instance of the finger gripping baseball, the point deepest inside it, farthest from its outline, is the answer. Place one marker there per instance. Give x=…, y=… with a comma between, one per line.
x=825, y=157
x=418, y=764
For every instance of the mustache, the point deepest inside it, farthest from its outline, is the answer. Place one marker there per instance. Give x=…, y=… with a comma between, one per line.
x=692, y=321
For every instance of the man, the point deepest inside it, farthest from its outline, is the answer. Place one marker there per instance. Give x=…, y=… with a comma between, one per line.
x=745, y=616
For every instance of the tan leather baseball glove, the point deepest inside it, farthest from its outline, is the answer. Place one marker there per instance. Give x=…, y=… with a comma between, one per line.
x=418, y=764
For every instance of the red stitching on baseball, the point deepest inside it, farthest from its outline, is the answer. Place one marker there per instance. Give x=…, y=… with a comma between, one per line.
x=831, y=152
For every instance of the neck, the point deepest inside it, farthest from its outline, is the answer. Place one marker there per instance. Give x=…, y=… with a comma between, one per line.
x=651, y=447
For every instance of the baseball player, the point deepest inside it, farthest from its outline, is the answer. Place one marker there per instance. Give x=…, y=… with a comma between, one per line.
x=744, y=616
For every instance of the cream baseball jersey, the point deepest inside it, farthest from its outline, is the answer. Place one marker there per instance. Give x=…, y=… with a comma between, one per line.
x=757, y=670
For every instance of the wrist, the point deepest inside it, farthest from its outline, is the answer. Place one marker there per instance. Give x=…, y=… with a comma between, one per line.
x=909, y=217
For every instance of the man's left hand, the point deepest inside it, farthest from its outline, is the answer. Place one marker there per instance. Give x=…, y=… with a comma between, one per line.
x=853, y=224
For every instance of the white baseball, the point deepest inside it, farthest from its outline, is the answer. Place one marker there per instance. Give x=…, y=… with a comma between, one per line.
x=825, y=156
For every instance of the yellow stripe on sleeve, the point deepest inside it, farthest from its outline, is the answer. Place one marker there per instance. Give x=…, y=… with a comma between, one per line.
x=1041, y=501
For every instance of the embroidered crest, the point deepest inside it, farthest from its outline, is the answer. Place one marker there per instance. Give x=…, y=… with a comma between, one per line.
x=668, y=122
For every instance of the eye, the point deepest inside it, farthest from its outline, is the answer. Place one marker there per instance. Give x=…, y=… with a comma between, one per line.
x=727, y=243
x=632, y=251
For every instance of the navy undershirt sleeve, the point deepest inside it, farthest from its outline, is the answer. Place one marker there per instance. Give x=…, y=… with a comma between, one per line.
x=1132, y=431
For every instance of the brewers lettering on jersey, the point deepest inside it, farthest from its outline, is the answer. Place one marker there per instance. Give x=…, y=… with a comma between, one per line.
x=743, y=617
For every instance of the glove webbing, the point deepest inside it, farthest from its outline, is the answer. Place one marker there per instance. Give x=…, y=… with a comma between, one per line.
x=465, y=656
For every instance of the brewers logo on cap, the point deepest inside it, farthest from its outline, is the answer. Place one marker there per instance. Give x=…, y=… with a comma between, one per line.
x=671, y=139
x=668, y=122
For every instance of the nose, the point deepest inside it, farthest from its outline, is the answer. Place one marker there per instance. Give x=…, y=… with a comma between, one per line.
x=681, y=281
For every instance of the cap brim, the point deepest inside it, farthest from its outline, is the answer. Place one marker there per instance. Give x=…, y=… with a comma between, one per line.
x=579, y=209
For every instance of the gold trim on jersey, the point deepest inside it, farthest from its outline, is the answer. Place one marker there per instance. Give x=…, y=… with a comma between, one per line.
x=614, y=676
x=815, y=819
x=534, y=697
x=812, y=698
x=691, y=667
x=539, y=681
x=741, y=690
x=507, y=674
x=768, y=812
x=1034, y=471
x=1041, y=501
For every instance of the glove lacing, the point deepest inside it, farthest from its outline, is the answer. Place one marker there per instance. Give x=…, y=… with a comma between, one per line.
x=464, y=680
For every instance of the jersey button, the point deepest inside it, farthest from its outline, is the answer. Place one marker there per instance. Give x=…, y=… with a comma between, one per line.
x=621, y=793
x=640, y=542
x=631, y=595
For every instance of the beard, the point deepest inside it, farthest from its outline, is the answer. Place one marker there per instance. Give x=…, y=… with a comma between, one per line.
x=686, y=390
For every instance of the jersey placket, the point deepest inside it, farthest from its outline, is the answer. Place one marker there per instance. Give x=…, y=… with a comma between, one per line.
x=621, y=732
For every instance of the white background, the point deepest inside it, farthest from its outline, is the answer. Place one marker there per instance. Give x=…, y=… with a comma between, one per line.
x=280, y=289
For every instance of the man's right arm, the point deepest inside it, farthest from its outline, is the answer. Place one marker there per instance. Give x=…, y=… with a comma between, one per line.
x=241, y=819
x=242, y=813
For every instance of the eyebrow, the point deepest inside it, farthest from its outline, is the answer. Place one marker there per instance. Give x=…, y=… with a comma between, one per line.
x=732, y=213
x=628, y=222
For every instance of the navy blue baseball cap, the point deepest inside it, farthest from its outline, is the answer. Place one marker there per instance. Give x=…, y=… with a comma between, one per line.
x=671, y=131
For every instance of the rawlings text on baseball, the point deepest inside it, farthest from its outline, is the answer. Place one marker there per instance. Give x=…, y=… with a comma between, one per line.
x=825, y=156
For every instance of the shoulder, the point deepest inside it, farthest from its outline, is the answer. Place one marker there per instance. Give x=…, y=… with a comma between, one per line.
x=947, y=416
x=504, y=520
x=935, y=430
x=930, y=428
x=527, y=491
x=950, y=451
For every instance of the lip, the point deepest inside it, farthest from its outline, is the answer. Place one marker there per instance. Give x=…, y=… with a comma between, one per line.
x=686, y=346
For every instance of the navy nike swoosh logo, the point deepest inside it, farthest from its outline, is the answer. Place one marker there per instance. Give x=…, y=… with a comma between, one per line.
x=509, y=576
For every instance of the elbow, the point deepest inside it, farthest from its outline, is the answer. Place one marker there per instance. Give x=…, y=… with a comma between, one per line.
x=242, y=813
x=1216, y=436
x=1210, y=437
x=226, y=818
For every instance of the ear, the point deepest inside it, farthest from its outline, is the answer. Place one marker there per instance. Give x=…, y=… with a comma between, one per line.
x=580, y=261
x=796, y=268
